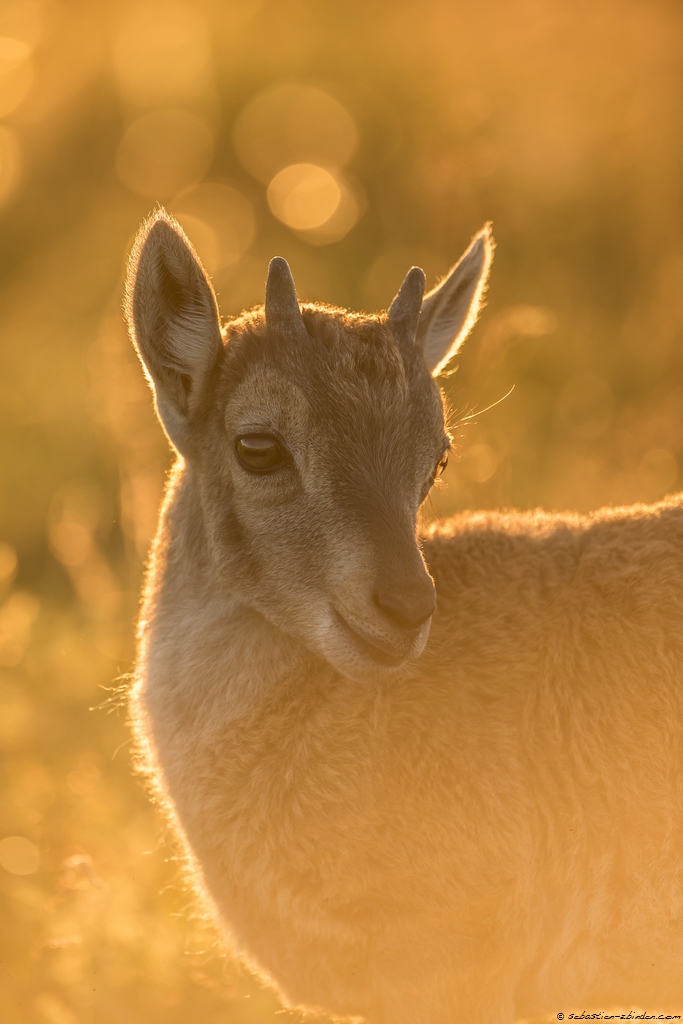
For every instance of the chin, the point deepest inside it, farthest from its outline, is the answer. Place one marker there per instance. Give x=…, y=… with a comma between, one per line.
x=360, y=669
x=354, y=657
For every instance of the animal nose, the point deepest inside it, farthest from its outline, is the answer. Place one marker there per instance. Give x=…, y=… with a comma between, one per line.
x=407, y=608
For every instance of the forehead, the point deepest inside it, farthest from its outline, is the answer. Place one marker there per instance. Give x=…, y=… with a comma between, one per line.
x=347, y=379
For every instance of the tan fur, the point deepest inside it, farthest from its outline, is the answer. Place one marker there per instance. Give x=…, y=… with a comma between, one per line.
x=490, y=830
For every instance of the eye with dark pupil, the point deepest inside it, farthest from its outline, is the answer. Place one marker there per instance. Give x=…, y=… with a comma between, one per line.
x=441, y=465
x=259, y=453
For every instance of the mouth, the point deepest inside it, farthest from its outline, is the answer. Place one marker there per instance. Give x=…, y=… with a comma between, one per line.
x=376, y=654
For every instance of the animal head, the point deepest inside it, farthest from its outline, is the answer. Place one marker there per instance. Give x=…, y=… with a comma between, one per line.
x=312, y=435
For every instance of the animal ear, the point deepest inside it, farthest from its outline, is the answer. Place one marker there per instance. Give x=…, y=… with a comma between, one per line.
x=173, y=321
x=450, y=311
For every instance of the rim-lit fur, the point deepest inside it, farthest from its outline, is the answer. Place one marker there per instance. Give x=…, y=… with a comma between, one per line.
x=467, y=825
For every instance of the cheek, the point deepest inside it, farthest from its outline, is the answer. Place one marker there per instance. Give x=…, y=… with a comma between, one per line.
x=284, y=539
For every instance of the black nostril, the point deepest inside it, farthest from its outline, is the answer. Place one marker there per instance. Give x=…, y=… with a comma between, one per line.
x=407, y=610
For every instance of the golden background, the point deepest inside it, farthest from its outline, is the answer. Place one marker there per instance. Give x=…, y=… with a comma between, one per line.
x=355, y=139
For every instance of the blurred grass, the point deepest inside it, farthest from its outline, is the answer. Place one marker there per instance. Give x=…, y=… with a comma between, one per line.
x=560, y=121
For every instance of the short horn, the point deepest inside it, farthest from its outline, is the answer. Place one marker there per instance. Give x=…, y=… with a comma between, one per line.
x=283, y=314
x=404, y=311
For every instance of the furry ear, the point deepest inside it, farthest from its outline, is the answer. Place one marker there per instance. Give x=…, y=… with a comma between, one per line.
x=450, y=311
x=173, y=321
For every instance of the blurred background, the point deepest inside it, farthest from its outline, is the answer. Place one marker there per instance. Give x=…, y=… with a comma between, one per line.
x=354, y=139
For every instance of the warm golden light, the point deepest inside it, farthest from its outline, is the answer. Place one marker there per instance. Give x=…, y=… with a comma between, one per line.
x=8, y=562
x=355, y=141
x=658, y=471
x=293, y=123
x=16, y=73
x=219, y=220
x=19, y=856
x=161, y=54
x=17, y=617
x=304, y=196
x=479, y=463
x=10, y=162
x=163, y=152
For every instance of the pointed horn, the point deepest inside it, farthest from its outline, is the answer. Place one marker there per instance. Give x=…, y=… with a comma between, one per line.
x=282, y=306
x=404, y=311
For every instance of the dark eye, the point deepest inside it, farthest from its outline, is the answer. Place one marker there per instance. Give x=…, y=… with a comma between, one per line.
x=441, y=466
x=259, y=453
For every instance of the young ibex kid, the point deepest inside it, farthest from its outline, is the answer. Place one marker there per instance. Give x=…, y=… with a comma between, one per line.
x=425, y=780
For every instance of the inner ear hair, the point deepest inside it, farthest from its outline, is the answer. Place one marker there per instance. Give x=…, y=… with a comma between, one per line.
x=173, y=319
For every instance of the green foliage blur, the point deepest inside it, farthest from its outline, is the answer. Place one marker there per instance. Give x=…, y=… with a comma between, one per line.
x=356, y=140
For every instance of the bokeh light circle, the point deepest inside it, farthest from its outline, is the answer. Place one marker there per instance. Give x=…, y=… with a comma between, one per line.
x=293, y=124
x=16, y=73
x=218, y=219
x=19, y=856
x=304, y=196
